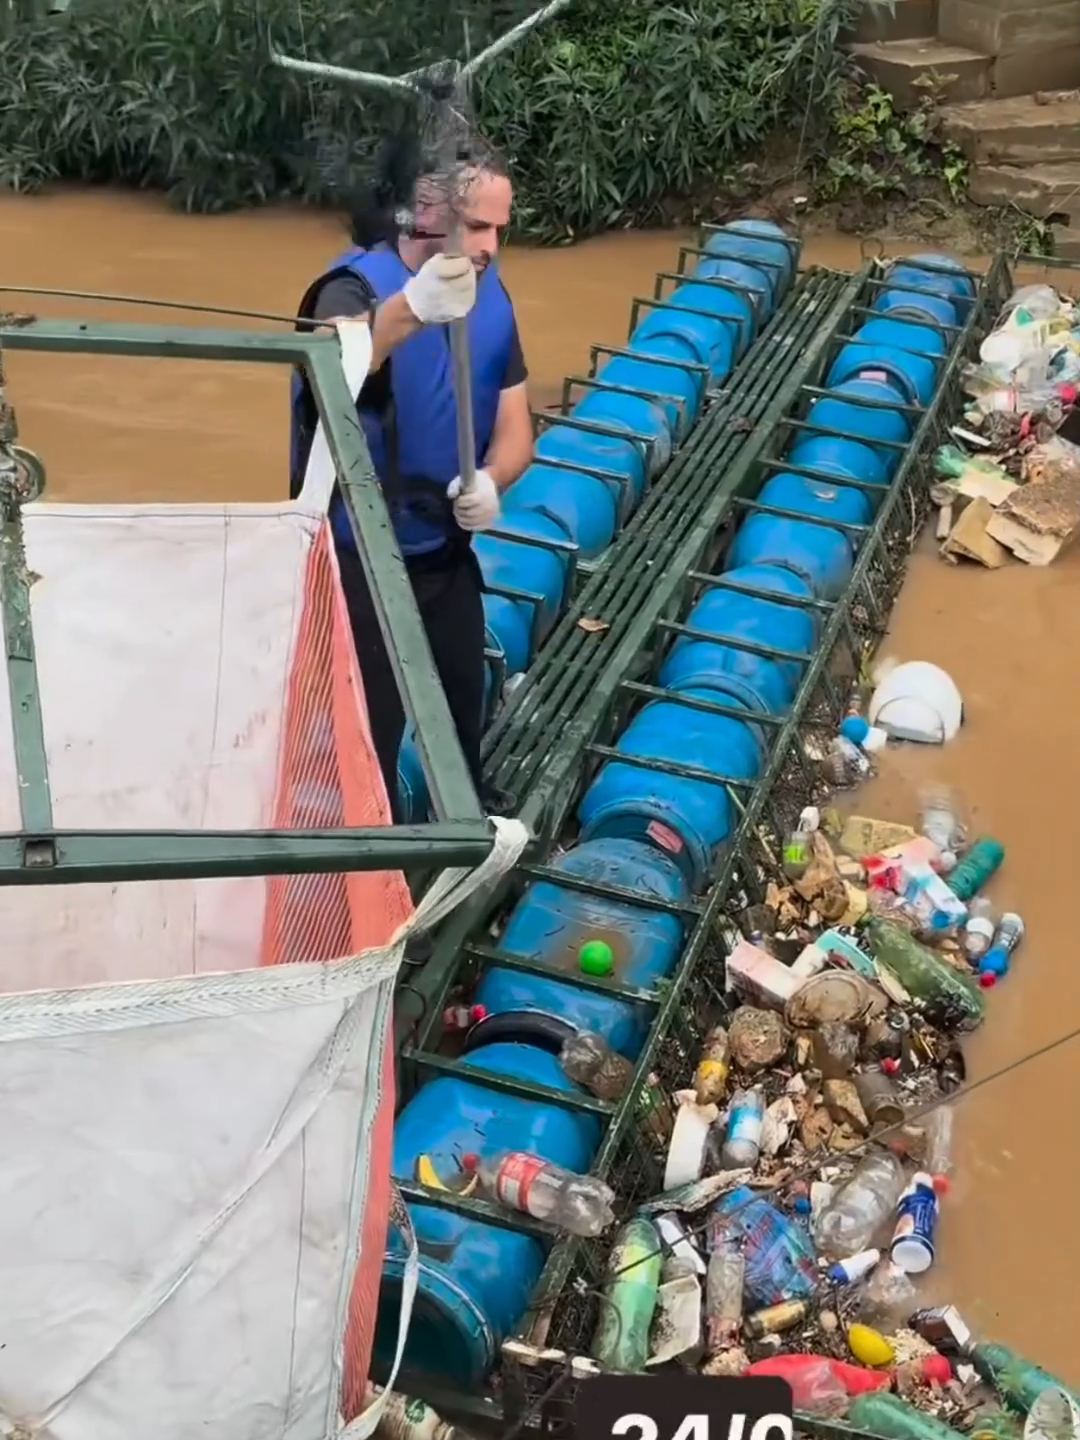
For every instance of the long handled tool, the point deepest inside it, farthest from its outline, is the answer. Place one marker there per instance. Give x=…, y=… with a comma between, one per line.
x=445, y=87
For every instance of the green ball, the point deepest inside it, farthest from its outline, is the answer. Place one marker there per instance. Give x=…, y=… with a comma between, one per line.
x=597, y=958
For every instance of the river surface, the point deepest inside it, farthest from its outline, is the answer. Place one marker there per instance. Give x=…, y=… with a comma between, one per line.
x=122, y=430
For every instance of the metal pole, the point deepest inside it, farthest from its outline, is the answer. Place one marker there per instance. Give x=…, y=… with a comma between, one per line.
x=453, y=81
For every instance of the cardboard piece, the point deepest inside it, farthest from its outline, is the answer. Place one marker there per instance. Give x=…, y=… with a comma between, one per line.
x=972, y=539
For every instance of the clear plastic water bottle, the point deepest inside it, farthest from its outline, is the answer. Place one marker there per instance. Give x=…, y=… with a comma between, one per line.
x=994, y=965
x=723, y=1291
x=979, y=930
x=746, y=1120
x=579, y=1204
x=938, y=822
x=860, y=1206
x=590, y=1061
x=938, y=1159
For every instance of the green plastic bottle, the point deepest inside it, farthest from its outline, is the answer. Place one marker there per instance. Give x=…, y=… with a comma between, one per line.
x=996, y=1424
x=622, y=1337
x=887, y=1415
x=924, y=975
x=1017, y=1381
x=982, y=861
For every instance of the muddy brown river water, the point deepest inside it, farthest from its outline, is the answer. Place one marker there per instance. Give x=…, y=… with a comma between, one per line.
x=121, y=430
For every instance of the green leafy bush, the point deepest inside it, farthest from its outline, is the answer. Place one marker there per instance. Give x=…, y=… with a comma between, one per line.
x=606, y=115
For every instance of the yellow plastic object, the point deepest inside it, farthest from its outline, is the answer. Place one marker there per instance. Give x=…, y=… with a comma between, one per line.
x=426, y=1175
x=870, y=1348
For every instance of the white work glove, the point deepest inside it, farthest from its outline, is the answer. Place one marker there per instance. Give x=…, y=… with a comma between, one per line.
x=443, y=289
x=478, y=508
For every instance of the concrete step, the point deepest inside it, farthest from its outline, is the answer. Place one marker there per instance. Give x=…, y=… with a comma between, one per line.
x=912, y=70
x=1024, y=130
x=1041, y=190
x=1067, y=243
x=1036, y=42
x=902, y=20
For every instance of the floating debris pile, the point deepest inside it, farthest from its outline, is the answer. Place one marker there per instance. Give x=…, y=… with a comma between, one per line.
x=1010, y=485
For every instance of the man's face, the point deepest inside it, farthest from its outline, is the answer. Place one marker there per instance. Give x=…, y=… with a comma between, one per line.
x=484, y=202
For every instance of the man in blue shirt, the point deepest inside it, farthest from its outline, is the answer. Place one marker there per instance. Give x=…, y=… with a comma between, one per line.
x=397, y=273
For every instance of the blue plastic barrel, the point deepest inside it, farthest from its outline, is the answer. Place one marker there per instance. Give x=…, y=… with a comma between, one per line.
x=550, y=924
x=475, y=1279
x=511, y=622
x=736, y=318
x=708, y=340
x=689, y=819
x=668, y=342
x=754, y=280
x=757, y=682
x=586, y=506
x=910, y=305
x=903, y=335
x=622, y=459
x=684, y=387
x=536, y=570
x=912, y=376
x=842, y=458
x=758, y=241
x=840, y=412
x=820, y=498
x=819, y=555
x=633, y=415
x=939, y=273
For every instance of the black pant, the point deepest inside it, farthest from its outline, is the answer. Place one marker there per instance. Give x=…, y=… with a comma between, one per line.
x=449, y=594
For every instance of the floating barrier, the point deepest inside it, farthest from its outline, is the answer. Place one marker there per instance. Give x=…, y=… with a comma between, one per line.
x=668, y=808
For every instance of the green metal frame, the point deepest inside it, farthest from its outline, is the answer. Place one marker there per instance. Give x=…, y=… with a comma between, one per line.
x=460, y=836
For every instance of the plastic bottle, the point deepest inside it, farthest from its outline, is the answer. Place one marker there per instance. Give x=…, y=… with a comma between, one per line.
x=938, y=1158
x=975, y=869
x=462, y=1017
x=799, y=847
x=846, y=764
x=912, y=1247
x=860, y=1206
x=589, y=1061
x=979, y=930
x=746, y=1118
x=888, y=1415
x=578, y=1204
x=857, y=1267
x=938, y=822
x=723, y=1291
x=994, y=965
x=711, y=1076
x=1017, y=1381
x=630, y=1294
x=924, y=975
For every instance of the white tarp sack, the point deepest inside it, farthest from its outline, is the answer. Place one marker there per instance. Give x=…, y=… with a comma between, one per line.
x=196, y=1082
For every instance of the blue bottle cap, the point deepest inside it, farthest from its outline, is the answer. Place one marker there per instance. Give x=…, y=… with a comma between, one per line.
x=855, y=729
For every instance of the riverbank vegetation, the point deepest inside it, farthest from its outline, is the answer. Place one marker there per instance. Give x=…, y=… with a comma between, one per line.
x=614, y=115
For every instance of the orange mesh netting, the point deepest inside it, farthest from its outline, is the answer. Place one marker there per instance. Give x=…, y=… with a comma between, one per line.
x=329, y=777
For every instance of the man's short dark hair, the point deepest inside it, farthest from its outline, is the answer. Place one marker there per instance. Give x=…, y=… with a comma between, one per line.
x=401, y=163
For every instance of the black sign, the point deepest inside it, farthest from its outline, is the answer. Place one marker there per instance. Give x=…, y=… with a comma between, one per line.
x=683, y=1407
